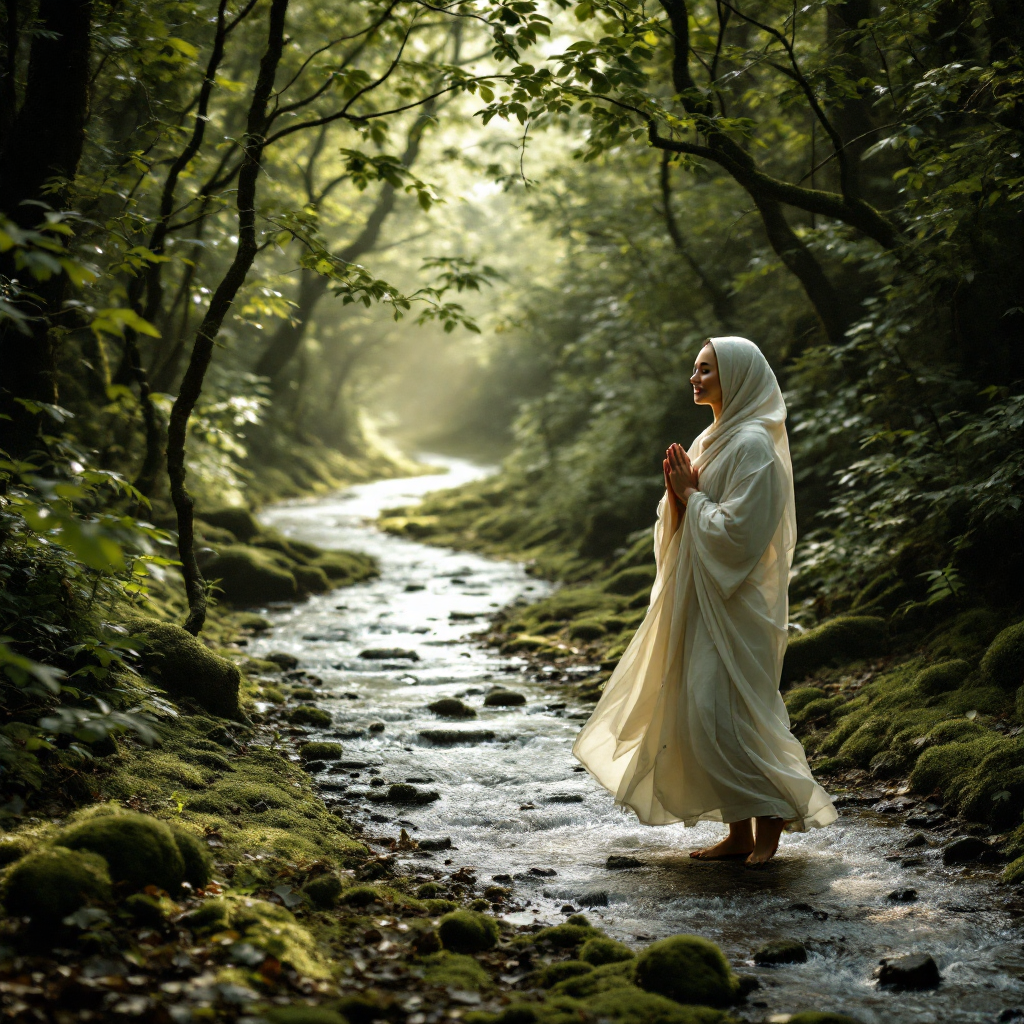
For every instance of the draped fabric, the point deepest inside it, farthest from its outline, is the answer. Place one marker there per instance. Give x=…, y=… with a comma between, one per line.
x=691, y=726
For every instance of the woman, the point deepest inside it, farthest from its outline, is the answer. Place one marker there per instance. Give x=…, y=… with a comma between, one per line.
x=691, y=726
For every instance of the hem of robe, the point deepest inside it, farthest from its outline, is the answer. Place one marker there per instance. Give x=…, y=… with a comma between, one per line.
x=794, y=822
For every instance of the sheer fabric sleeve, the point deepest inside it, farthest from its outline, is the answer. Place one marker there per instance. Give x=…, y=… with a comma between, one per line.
x=730, y=536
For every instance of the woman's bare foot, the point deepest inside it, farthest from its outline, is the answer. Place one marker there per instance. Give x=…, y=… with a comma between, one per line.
x=738, y=843
x=766, y=841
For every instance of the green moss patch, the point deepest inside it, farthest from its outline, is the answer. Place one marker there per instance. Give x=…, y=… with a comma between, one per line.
x=688, y=969
x=455, y=970
x=836, y=642
x=1003, y=662
x=467, y=931
x=49, y=885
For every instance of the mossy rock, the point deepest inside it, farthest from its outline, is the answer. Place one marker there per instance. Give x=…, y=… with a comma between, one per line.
x=240, y=521
x=361, y=896
x=836, y=642
x=186, y=668
x=598, y=951
x=629, y=581
x=345, y=567
x=566, y=936
x=194, y=854
x=429, y=891
x=315, y=717
x=451, y=707
x=1013, y=873
x=502, y=698
x=629, y=1005
x=271, y=540
x=252, y=621
x=943, y=677
x=323, y=891
x=781, y=951
x=318, y=750
x=688, y=969
x=467, y=931
x=552, y=974
x=600, y=979
x=311, y=579
x=587, y=629
x=821, y=1017
x=13, y=848
x=448, y=969
x=48, y=885
x=248, y=576
x=139, y=850
x=797, y=700
x=1003, y=662
x=146, y=911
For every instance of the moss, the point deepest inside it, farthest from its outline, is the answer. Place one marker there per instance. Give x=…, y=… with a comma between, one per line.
x=598, y=951
x=688, y=969
x=630, y=581
x=316, y=717
x=1013, y=873
x=248, y=576
x=552, y=974
x=345, y=567
x=311, y=579
x=1003, y=662
x=273, y=695
x=249, y=620
x=940, y=678
x=428, y=891
x=13, y=848
x=836, y=642
x=466, y=931
x=451, y=707
x=317, y=750
x=601, y=979
x=500, y=698
x=818, y=710
x=139, y=850
x=632, y=1006
x=186, y=668
x=145, y=910
x=587, y=629
x=797, y=700
x=49, y=885
x=566, y=936
x=436, y=907
x=240, y=521
x=361, y=896
x=194, y=855
x=867, y=741
x=323, y=891
x=455, y=970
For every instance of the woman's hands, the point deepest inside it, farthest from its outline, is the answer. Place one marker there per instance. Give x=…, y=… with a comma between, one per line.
x=681, y=477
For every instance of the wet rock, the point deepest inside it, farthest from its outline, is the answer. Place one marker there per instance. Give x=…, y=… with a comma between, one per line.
x=352, y=764
x=689, y=970
x=451, y=707
x=902, y=896
x=315, y=766
x=915, y=840
x=317, y=750
x=464, y=616
x=48, y=885
x=593, y=899
x=599, y=950
x=618, y=862
x=411, y=587
x=543, y=872
x=283, y=659
x=305, y=715
x=450, y=737
x=748, y=983
x=781, y=951
x=501, y=878
x=466, y=931
x=565, y=798
x=504, y=699
x=437, y=843
x=403, y=793
x=497, y=893
x=914, y=972
x=388, y=654
x=817, y=1017
x=964, y=850
x=377, y=782
x=928, y=821
x=376, y=727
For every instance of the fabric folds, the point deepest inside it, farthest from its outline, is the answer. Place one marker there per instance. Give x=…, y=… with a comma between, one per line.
x=691, y=726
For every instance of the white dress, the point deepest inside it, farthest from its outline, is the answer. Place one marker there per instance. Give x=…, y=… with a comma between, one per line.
x=691, y=726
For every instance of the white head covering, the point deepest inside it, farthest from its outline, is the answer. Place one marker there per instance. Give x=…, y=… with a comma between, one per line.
x=750, y=395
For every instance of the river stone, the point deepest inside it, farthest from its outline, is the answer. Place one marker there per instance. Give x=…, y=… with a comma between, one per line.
x=964, y=850
x=543, y=872
x=565, y=798
x=617, y=862
x=902, y=895
x=282, y=659
x=437, y=843
x=593, y=899
x=917, y=971
x=781, y=951
x=388, y=653
x=449, y=737
x=451, y=707
x=403, y=793
x=915, y=840
x=504, y=699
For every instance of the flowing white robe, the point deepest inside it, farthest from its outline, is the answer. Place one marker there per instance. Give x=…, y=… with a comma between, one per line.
x=691, y=726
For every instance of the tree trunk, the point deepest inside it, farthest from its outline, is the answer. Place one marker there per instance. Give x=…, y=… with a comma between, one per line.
x=202, y=351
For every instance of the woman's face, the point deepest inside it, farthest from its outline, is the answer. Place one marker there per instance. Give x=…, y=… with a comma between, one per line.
x=707, y=388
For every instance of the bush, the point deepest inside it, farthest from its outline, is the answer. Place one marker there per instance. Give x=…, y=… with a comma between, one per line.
x=240, y=521
x=185, y=668
x=1003, y=662
x=248, y=576
x=598, y=951
x=835, y=642
x=48, y=885
x=138, y=849
x=317, y=750
x=941, y=678
x=688, y=969
x=466, y=931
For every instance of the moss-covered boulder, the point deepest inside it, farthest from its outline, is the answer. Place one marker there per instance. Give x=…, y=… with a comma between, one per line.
x=240, y=521
x=303, y=1015
x=48, y=885
x=345, y=567
x=139, y=850
x=587, y=629
x=943, y=677
x=798, y=699
x=629, y=1005
x=316, y=750
x=630, y=581
x=599, y=950
x=315, y=717
x=552, y=974
x=502, y=698
x=248, y=576
x=451, y=707
x=311, y=579
x=466, y=931
x=13, y=848
x=195, y=855
x=836, y=642
x=781, y=951
x=688, y=969
x=1003, y=662
x=361, y=896
x=323, y=891
x=186, y=668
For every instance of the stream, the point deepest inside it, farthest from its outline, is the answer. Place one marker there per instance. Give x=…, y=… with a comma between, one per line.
x=519, y=801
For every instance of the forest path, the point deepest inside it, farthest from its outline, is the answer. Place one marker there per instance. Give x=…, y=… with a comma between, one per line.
x=518, y=801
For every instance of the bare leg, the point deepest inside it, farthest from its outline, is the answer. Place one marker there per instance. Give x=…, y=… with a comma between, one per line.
x=766, y=840
x=738, y=843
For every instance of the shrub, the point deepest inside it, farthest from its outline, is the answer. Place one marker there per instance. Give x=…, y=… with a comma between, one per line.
x=1003, y=662
x=467, y=931
x=186, y=668
x=835, y=642
x=48, y=885
x=688, y=969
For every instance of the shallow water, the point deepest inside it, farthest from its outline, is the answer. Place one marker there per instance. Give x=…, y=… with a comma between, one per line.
x=516, y=802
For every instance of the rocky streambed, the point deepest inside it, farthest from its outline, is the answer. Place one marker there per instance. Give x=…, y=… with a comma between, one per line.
x=486, y=791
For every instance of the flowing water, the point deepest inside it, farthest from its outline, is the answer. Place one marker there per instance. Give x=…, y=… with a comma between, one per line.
x=518, y=801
